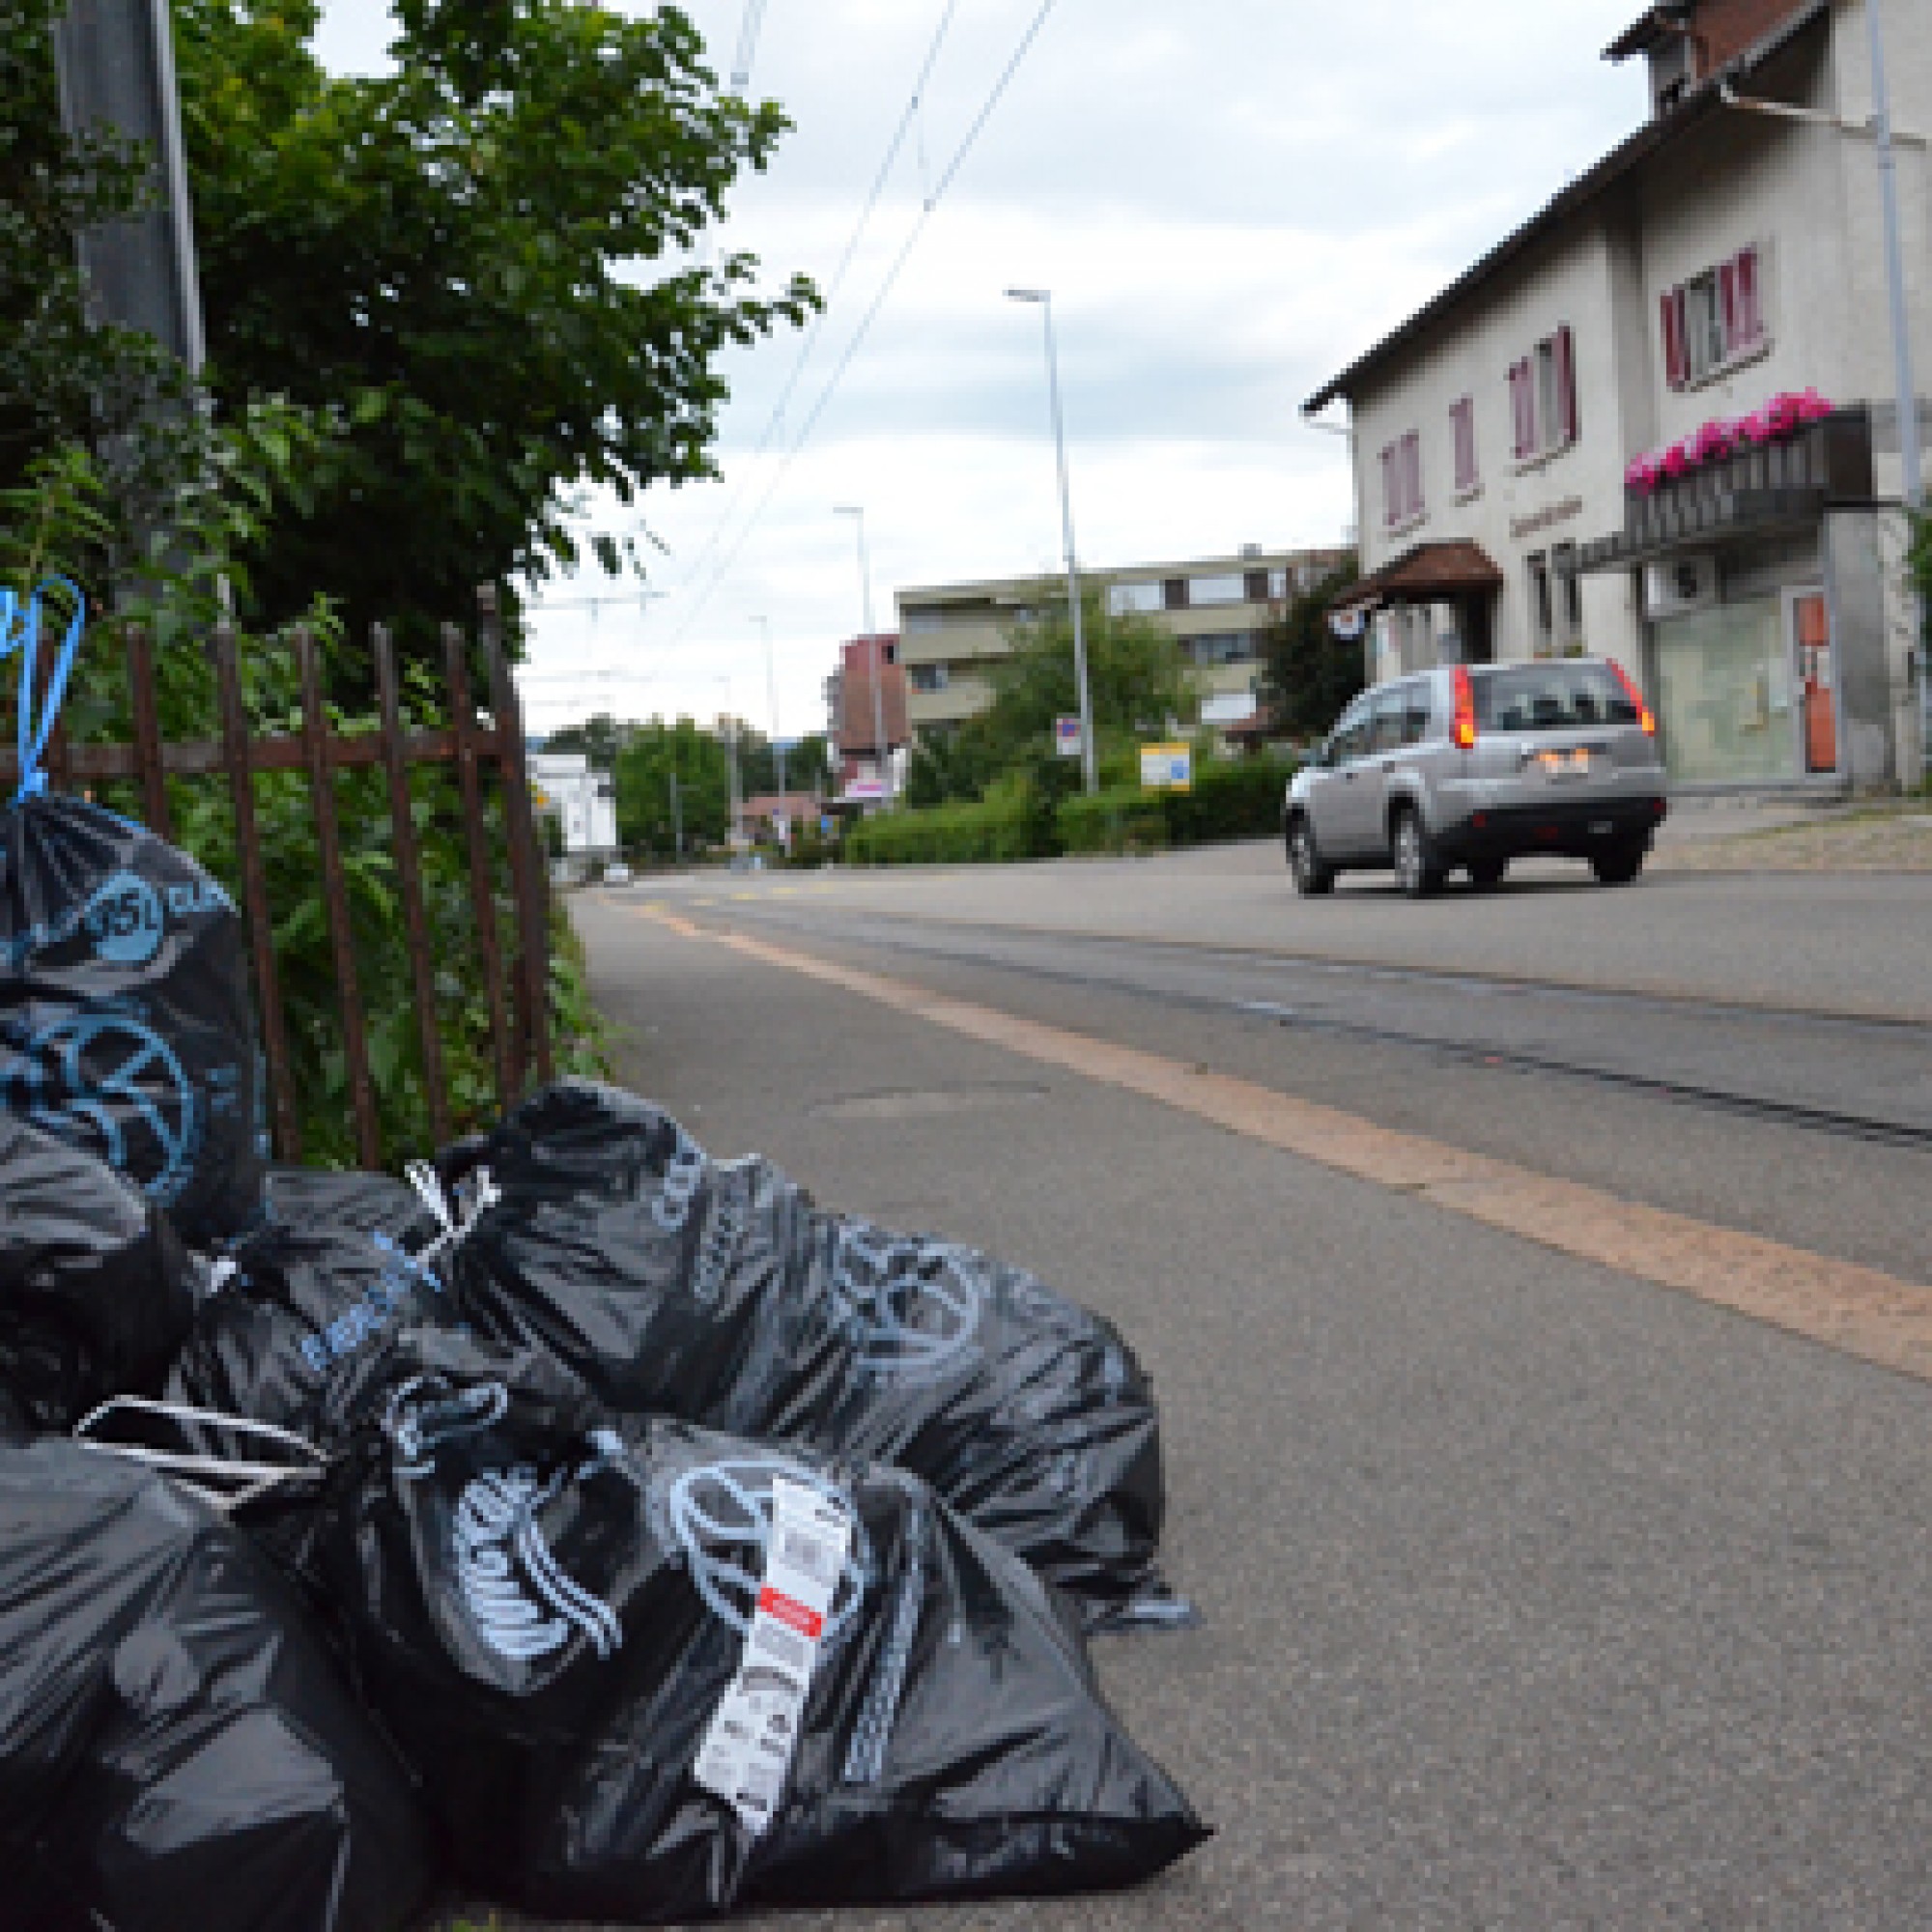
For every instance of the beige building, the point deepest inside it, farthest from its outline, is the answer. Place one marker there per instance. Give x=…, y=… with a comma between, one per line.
x=1568, y=448
x=1216, y=606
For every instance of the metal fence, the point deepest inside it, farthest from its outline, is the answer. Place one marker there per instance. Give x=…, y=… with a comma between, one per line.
x=489, y=758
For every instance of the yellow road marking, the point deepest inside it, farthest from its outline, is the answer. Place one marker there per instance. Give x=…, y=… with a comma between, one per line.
x=1877, y=1317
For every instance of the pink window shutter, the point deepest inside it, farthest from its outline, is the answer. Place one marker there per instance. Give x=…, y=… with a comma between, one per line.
x=1566, y=382
x=1727, y=302
x=1750, y=305
x=1676, y=361
x=1520, y=445
x=1412, y=450
x=1391, y=507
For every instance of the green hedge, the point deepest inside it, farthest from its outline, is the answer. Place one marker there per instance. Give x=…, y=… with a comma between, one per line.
x=945, y=835
x=1229, y=801
x=1124, y=818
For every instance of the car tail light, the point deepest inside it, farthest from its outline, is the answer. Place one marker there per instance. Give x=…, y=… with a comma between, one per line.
x=1465, y=712
x=1645, y=716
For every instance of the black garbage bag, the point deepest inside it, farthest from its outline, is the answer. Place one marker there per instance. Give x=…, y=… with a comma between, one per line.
x=325, y=1197
x=125, y=1019
x=303, y=1300
x=649, y=1673
x=177, y=1745
x=716, y=1293
x=97, y=1292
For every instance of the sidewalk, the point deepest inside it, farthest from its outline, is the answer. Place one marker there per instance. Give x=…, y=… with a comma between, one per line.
x=1767, y=836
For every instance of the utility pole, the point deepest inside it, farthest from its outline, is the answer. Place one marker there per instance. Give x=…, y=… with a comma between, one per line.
x=1089, y=768
x=115, y=63
x=1908, y=448
x=878, y=660
x=771, y=692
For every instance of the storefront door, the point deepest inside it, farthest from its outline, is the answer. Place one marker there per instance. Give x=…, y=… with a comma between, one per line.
x=1809, y=620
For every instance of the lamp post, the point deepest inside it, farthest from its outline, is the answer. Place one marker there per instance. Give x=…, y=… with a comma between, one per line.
x=878, y=667
x=1909, y=449
x=1090, y=769
x=764, y=625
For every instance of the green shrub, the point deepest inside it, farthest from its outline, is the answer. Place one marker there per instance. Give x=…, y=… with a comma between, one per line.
x=1124, y=818
x=1230, y=800
x=1004, y=826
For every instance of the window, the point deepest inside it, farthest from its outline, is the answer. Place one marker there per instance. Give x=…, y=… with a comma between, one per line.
x=1173, y=593
x=1551, y=697
x=1351, y=734
x=1542, y=610
x=1141, y=598
x=1402, y=481
x=1228, y=648
x=1205, y=592
x=1543, y=398
x=922, y=623
x=1256, y=587
x=1569, y=594
x=1462, y=434
x=1418, y=706
x=1714, y=319
x=1385, y=720
x=931, y=678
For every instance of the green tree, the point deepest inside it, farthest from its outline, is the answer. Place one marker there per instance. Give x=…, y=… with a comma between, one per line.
x=644, y=769
x=600, y=739
x=487, y=260
x=1139, y=687
x=1308, y=673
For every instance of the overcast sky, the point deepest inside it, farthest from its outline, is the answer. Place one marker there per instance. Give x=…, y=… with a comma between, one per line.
x=1230, y=199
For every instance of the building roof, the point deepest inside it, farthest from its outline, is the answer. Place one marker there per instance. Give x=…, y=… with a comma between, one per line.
x=1430, y=573
x=1643, y=33
x=1703, y=101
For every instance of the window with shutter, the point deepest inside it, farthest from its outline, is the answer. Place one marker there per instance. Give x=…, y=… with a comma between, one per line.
x=1676, y=363
x=1750, y=302
x=1412, y=464
x=1463, y=428
x=1566, y=384
x=1391, y=498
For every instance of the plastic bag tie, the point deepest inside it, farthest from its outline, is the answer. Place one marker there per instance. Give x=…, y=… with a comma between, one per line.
x=21, y=631
x=225, y=1483
x=456, y=1217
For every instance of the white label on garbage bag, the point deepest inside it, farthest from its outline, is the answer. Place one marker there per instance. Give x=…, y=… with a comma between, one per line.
x=748, y=1750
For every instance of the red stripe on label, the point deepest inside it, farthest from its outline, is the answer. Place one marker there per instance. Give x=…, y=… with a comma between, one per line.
x=788, y=1610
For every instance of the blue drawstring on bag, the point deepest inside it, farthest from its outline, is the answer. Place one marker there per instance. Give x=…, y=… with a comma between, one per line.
x=21, y=631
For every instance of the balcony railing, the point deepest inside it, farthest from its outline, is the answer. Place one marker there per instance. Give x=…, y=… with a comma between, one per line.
x=1782, y=483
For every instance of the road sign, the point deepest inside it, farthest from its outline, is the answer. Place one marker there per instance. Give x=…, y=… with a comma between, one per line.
x=1167, y=768
x=1066, y=737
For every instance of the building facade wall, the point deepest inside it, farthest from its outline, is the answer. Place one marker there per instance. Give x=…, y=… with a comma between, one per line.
x=949, y=635
x=1805, y=193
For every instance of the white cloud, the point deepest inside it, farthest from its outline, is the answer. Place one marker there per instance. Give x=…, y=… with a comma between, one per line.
x=1230, y=202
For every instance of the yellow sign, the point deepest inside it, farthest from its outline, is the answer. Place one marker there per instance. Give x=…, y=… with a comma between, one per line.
x=1167, y=768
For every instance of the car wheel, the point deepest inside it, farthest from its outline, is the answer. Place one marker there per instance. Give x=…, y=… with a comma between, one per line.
x=1487, y=874
x=1618, y=866
x=1311, y=879
x=1416, y=871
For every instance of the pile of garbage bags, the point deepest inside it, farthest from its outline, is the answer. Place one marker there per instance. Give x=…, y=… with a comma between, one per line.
x=583, y=1525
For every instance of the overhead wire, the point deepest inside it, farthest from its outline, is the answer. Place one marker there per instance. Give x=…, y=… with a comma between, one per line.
x=929, y=208
x=809, y=347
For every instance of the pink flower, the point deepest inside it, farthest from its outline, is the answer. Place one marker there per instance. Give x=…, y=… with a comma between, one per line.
x=1675, y=461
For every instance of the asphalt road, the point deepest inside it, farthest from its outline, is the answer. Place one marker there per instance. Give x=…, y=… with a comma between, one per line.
x=1534, y=1595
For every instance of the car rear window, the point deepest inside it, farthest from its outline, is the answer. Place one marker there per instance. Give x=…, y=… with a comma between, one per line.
x=1551, y=697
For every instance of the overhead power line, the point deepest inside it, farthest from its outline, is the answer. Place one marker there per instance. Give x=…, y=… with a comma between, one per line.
x=871, y=315
x=807, y=349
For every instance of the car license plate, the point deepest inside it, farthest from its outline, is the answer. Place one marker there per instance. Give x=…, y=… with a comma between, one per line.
x=1564, y=764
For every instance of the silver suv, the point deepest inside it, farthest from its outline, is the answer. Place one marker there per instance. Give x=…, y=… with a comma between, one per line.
x=1476, y=765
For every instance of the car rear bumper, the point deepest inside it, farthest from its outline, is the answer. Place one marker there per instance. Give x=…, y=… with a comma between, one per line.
x=1567, y=827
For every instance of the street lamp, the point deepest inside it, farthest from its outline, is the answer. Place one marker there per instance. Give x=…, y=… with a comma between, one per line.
x=878, y=673
x=1089, y=770
x=764, y=625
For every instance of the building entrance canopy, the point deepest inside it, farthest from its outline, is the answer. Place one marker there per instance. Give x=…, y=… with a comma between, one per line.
x=1432, y=573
